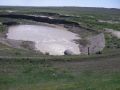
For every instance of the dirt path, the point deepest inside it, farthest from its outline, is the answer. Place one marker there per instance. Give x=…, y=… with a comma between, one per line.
x=100, y=64
x=103, y=64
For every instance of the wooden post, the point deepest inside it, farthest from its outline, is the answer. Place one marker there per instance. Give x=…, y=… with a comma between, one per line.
x=88, y=51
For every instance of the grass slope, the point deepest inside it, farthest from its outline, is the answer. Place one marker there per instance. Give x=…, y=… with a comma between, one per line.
x=46, y=74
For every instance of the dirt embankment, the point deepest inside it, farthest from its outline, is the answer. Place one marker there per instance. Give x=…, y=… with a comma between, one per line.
x=40, y=19
x=18, y=43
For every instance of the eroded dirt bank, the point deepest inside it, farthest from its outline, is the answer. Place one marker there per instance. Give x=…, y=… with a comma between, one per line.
x=40, y=19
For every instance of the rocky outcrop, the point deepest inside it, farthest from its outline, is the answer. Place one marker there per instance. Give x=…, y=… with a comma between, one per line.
x=113, y=32
x=96, y=45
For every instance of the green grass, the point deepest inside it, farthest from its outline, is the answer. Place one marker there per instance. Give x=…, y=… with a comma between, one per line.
x=29, y=72
x=2, y=28
x=38, y=74
x=9, y=51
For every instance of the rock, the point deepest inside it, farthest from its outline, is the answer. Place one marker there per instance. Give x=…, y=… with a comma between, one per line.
x=96, y=44
x=68, y=52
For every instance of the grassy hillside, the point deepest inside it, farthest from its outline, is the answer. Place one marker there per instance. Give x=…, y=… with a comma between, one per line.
x=96, y=19
x=29, y=70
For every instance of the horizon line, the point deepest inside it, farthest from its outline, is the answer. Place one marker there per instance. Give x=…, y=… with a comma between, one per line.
x=57, y=6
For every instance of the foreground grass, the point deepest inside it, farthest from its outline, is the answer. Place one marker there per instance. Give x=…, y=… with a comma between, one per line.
x=48, y=74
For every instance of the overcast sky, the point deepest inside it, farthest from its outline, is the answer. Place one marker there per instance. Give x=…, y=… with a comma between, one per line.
x=81, y=3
